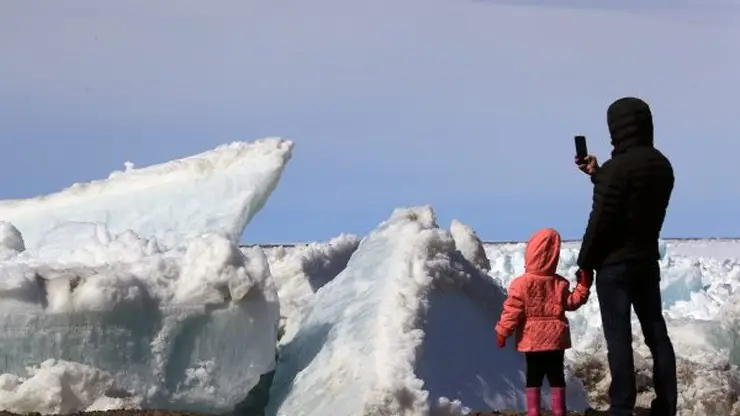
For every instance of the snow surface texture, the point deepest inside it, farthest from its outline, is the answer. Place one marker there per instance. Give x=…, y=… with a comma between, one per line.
x=218, y=191
x=405, y=329
x=96, y=319
x=62, y=387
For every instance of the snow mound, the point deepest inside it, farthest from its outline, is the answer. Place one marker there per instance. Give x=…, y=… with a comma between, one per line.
x=11, y=241
x=166, y=200
x=469, y=245
x=61, y=387
x=134, y=284
x=404, y=329
x=301, y=271
x=191, y=328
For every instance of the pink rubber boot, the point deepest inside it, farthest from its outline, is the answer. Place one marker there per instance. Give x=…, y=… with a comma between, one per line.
x=533, y=401
x=558, y=401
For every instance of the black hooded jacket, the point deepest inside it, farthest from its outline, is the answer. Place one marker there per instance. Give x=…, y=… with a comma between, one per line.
x=631, y=191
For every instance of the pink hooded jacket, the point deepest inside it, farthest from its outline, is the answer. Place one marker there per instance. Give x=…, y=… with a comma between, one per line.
x=538, y=299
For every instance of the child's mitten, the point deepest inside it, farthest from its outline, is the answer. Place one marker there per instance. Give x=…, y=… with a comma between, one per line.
x=585, y=277
x=500, y=340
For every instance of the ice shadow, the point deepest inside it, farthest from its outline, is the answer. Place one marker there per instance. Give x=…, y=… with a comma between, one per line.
x=293, y=358
x=257, y=399
x=321, y=271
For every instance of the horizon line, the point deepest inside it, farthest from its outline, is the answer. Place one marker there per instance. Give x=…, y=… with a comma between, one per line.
x=489, y=242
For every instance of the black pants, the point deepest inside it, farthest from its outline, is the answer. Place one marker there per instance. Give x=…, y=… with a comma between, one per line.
x=637, y=284
x=545, y=363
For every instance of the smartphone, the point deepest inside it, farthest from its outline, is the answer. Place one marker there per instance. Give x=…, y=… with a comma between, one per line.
x=581, y=149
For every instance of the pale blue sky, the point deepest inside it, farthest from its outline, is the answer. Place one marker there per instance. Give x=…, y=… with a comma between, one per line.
x=470, y=106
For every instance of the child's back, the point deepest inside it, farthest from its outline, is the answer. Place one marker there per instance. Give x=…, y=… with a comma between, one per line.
x=535, y=309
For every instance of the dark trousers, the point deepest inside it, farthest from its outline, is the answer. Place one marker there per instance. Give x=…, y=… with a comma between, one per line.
x=637, y=284
x=543, y=364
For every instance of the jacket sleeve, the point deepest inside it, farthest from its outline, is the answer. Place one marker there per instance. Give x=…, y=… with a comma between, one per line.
x=608, y=198
x=595, y=175
x=577, y=298
x=513, y=311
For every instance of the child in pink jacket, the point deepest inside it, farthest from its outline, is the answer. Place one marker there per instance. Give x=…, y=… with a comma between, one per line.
x=535, y=310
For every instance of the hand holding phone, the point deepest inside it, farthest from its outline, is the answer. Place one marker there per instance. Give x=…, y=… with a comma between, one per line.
x=587, y=164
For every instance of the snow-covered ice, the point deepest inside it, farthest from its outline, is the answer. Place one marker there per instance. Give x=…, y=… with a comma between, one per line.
x=303, y=270
x=99, y=317
x=405, y=329
x=700, y=281
x=706, y=248
x=192, y=328
x=11, y=241
x=62, y=387
x=469, y=245
x=218, y=191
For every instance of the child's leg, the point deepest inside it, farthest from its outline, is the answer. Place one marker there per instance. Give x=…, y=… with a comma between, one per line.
x=535, y=374
x=555, y=368
x=556, y=379
x=536, y=368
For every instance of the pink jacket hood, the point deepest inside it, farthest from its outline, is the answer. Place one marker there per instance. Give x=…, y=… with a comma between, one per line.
x=543, y=252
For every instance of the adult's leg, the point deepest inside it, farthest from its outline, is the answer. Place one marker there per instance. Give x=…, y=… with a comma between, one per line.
x=648, y=308
x=613, y=290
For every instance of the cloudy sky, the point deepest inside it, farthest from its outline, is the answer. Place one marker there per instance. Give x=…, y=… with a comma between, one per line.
x=470, y=106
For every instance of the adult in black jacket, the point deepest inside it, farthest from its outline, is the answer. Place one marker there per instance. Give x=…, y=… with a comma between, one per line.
x=630, y=198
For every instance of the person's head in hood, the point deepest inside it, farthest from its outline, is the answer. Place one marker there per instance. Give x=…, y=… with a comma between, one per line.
x=543, y=252
x=630, y=124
